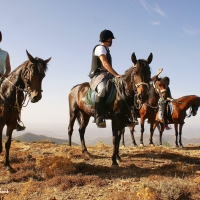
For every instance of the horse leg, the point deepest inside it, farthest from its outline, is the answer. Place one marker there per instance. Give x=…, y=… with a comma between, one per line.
x=115, y=143
x=73, y=116
x=132, y=128
x=7, y=147
x=122, y=135
x=176, y=134
x=161, y=129
x=152, y=129
x=180, y=135
x=84, y=122
x=119, y=138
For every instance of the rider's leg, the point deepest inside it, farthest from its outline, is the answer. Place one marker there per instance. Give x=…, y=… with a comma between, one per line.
x=163, y=107
x=100, y=104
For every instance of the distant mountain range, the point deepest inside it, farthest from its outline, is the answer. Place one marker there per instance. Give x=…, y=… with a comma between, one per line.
x=30, y=137
x=166, y=140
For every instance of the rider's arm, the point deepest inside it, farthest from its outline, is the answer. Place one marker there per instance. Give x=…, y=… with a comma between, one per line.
x=8, y=67
x=154, y=78
x=107, y=66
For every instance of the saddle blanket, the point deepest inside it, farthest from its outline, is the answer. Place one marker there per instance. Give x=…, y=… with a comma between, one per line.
x=90, y=96
x=170, y=109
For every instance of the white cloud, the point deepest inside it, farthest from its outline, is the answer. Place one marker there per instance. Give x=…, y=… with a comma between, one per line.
x=190, y=32
x=155, y=23
x=159, y=11
x=144, y=4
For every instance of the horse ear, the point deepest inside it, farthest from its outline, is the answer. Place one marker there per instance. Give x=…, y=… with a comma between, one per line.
x=46, y=61
x=133, y=58
x=30, y=57
x=150, y=58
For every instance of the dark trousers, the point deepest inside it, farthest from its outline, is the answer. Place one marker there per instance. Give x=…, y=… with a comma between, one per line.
x=163, y=106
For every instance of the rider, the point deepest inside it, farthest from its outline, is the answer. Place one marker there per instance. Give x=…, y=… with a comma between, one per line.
x=163, y=102
x=5, y=69
x=101, y=71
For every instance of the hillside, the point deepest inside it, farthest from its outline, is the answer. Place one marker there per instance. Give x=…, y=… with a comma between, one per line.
x=51, y=171
x=30, y=137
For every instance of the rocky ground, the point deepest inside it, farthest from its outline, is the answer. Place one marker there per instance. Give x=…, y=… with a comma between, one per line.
x=44, y=170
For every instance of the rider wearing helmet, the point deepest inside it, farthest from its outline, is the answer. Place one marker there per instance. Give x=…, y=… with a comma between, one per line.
x=5, y=69
x=101, y=71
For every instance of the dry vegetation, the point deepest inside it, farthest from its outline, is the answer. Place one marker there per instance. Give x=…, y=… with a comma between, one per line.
x=49, y=171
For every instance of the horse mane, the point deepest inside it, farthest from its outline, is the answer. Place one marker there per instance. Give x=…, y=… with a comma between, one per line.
x=42, y=66
x=186, y=96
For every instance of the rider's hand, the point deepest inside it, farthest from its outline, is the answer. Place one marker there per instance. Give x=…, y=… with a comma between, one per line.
x=118, y=76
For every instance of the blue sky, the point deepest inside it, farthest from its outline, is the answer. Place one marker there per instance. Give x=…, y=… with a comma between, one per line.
x=67, y=31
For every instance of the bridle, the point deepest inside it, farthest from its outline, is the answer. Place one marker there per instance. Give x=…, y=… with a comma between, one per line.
x=137, y=85
x=27, y=89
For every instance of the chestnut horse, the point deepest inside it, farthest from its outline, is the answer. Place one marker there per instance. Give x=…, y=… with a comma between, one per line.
x=148, y=110
x=180, y=107
x=135, y=81
x=27, y=78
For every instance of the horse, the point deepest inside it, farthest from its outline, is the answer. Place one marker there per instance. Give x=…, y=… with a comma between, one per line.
x=135, y=82
x=180, y=106
x=25, y=80
x=148, y=111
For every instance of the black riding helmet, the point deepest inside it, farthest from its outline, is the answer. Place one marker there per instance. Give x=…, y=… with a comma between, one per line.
x=105, y=35
x=0, y=36
x=166, y=80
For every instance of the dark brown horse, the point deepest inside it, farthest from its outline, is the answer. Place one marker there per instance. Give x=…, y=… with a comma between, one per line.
x=148, y=111
x=27, y=78
x=135, y=81
x=180, y=106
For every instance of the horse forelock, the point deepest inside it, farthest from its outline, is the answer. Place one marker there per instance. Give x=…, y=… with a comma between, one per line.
x=42, y=65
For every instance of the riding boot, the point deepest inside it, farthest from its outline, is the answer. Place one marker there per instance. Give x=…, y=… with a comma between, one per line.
x=19, y=127
x=99, y=106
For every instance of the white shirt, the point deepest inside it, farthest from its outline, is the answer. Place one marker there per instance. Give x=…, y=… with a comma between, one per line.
x=99, y=50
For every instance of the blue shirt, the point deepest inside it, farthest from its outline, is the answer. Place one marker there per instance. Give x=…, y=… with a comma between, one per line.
x=3, y=56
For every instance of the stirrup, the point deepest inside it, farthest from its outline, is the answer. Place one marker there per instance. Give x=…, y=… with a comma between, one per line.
x=101, y=123
x=19, y=127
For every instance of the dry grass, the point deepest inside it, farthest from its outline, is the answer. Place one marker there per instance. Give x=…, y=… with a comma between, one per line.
x=48, y=171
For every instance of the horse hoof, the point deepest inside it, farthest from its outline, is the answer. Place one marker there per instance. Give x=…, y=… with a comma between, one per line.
x=123, y=146
x=141, y=145
x=119, y=159
x=181, y=146
x=152, y=145
x=115, y=166
x=87, y=154
x=177, y=146
x=135, y=145
x=160, y=145
x=10, y=169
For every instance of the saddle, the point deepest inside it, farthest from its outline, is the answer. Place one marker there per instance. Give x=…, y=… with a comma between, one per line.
x=110, y=93
x=170, y=110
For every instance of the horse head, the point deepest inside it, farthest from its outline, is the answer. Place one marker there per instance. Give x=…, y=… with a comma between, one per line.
x=195, y=106
x=33, y=76
x=160, y=87
x=141, y=77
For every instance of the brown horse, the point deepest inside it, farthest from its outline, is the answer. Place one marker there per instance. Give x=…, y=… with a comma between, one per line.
x=135, y=81
x=27, y=78
x=148, y=110
x=180, y=106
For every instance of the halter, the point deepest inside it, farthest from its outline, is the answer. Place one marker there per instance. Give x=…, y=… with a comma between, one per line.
x=138, y=84
x=26, y=90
